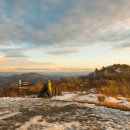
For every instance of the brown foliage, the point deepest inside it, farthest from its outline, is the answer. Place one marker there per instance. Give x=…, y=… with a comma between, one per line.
x=70, y=84
x=115, y=88
x=111, y=84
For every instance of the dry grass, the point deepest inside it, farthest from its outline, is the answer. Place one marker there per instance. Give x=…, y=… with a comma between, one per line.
x=113, y=105
x=128, y=99
x=115, y=88
x=106, y=104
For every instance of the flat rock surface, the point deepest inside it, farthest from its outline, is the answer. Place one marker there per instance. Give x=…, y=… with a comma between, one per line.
x=48, y=114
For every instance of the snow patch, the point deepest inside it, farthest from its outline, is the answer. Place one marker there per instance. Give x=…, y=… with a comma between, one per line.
x=79, y=97
x=38, y=123
x=9, y=115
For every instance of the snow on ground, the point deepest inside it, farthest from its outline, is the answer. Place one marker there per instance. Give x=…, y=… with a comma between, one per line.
x=60, y=113
x=79, y=97
x=9, y=115
x=119, y=100
x=43, y=124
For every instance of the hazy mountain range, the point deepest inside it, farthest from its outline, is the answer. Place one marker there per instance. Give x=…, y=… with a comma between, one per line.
x=7, y=78
x=31, y=77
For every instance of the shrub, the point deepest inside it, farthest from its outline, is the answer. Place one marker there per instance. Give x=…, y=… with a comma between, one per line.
x=115, y=88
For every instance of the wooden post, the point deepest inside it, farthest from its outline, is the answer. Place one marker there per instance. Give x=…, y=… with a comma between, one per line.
x=23, y=86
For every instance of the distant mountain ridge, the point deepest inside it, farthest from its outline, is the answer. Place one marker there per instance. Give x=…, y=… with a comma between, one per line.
x=30, y=77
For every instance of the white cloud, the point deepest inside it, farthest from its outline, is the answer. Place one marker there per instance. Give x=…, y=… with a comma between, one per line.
x=78, y=23
x=63, y=51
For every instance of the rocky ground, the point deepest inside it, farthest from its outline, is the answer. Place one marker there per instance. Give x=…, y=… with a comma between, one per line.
x=48, y=114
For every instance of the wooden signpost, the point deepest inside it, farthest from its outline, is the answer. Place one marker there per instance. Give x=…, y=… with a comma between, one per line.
x=23, y=87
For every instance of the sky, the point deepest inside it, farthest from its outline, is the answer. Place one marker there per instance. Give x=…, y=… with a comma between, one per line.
x=63, y=35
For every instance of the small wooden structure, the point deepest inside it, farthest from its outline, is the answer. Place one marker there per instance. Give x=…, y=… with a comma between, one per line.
x=23, y=87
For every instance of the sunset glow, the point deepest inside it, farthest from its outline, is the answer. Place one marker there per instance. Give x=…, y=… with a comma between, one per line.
x=63, y=35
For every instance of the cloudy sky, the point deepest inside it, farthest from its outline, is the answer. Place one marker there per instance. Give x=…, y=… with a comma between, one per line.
x=63, y=35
